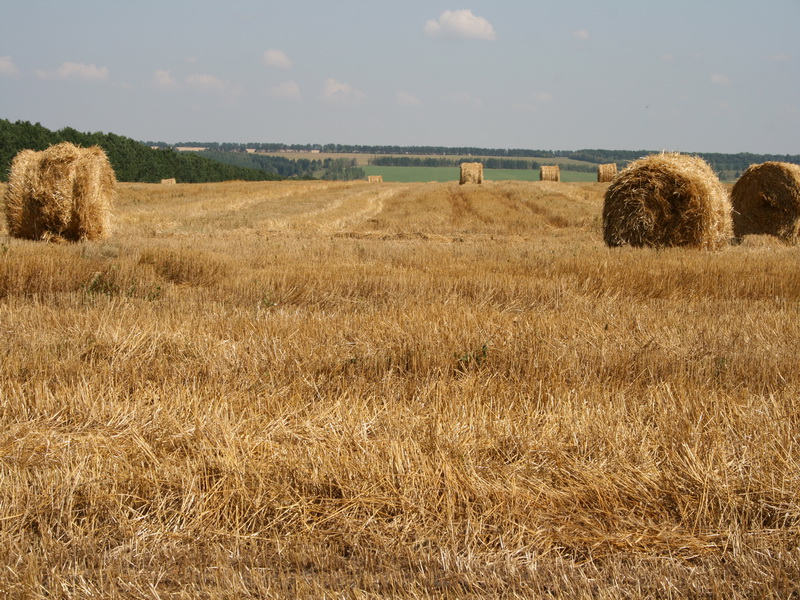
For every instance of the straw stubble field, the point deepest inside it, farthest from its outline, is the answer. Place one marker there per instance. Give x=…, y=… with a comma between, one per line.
x=409, y=390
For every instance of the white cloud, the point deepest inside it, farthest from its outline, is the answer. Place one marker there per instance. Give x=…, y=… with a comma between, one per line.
x=580, y=34
x=212, y=84
x=7, y=66
x=337, y=92
x=277, y=59
x=163, y=80
x=459, y=25
x=79, y=71
x=207, y=82
x=718, y=79
x=408, y=100
x=289, y=90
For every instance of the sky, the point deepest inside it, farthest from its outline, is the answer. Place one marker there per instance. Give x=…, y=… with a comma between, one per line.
x=683, y=75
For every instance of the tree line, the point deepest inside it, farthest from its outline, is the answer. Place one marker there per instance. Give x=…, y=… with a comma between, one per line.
x=131, y=160
x=153, y=161
x=150, y=163
x=300, y=168
x=731, y=165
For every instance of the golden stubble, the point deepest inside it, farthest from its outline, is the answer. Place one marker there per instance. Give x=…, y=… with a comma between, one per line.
x=415, y=390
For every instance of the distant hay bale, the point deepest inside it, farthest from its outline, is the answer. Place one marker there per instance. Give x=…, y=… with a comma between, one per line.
x=170, y=181
x=64, y=192
x=766, y=200
x=606, y=172
x=471, y=173
x=667, y=199
x=550, y=173
x=375, y=178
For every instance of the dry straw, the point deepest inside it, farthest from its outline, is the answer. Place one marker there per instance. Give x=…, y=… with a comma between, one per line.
x=170, y=181
x=375, y=178
x=62, y=193
x=667, y=199
x=606, y=172
x=550, y=173
x=766, y=200
x=471, y=173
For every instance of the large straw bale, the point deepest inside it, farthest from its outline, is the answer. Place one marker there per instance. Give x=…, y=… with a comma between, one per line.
x=606, y=172
x=667, y=199
x=375, y=178
x=550, y=173
x=766, y=200
x=64, y=192
x=169, y=181
x=471, y=173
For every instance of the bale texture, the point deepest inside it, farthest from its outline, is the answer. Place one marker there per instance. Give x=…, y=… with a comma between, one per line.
x=667, y=199
x=550, y=173
x=606, y=172
x=64, y=192
x=766, y=200
x=471, y=173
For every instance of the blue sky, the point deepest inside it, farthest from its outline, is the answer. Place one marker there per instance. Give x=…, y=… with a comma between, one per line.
x=693, y=76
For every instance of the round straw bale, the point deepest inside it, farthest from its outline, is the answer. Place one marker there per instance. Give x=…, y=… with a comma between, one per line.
x=606, y=172
x=550, y=173
x=64, y=192
x=667, y=199
x=18, y=219
x=766, y=200
x=471, y=173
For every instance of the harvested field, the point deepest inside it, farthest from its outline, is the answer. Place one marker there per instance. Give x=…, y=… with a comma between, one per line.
x=322, y=389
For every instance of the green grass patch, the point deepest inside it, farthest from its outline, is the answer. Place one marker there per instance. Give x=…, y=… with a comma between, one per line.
x=413, y=174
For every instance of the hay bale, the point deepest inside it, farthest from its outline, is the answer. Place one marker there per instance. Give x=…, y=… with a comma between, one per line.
x=471, y=173
x=64, y=192
x=766, y=200
x=667, y=199
x=170, y=181
x=375, y=178
x=550, y=173
x=606, y=172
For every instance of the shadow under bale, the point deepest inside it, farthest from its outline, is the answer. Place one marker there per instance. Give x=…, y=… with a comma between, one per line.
x=62, y=193
x=766, y=201
x=664, y=200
